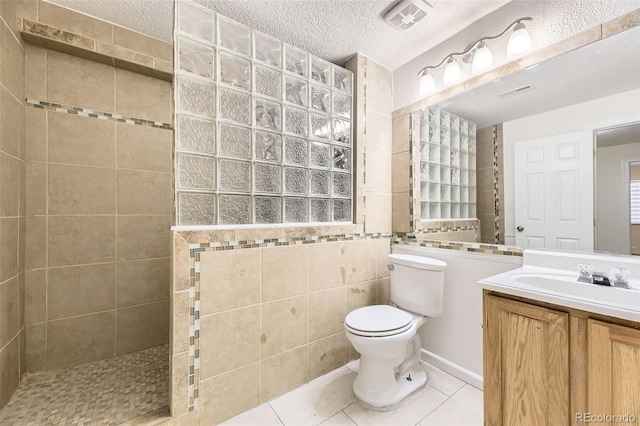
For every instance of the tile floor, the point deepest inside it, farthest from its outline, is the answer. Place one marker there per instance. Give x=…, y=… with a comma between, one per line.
x=108, y=392
x=328, y=401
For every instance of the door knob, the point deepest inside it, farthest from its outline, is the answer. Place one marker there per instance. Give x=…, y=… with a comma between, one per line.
x=520, y=228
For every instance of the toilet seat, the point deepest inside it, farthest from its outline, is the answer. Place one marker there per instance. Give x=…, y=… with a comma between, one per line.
x=378, y=321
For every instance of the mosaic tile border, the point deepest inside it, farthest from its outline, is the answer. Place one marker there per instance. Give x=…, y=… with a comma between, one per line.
x=462, y=246
x=90, y=113
x=364, y=142
x=413, y=221
x=496, y=186
x=196, y=249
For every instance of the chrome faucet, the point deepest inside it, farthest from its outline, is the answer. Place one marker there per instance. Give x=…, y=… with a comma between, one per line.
x=585, y=270
x=620, y=277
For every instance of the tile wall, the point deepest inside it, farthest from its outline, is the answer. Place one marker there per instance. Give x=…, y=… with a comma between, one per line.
x=490, y=184
x=269, y=304
x=12, y=203
x=98, y=201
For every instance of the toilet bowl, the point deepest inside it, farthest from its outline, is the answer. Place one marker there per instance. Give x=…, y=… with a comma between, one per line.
x=386, y=336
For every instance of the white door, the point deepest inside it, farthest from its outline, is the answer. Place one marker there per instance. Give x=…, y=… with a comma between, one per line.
x=554, y=192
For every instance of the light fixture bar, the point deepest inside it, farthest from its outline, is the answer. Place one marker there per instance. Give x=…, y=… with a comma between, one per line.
x=474, y=45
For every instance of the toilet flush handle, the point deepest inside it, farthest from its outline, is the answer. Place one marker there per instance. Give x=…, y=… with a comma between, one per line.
x=390, y=267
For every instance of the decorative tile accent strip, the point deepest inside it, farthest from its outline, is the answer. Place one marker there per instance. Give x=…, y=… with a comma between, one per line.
x=496, y=187
x=405, y=239
x=86, y=112
x=195, y=285
x=363, y=147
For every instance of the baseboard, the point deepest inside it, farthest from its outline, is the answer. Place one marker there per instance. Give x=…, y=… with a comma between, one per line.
x=454, y=369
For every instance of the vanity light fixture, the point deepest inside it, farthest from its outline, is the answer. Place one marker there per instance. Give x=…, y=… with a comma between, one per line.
x=480, y=55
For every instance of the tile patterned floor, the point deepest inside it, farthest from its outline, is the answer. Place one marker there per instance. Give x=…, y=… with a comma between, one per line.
x=328, y=401
x=108, y=392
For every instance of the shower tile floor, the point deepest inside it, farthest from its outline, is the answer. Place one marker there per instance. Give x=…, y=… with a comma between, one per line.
x=328, y=401
x=108, y=392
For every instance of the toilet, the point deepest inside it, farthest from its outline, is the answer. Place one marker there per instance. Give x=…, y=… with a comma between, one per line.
x=386, y=336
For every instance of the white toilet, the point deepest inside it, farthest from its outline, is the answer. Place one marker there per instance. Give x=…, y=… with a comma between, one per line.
x=385, y=336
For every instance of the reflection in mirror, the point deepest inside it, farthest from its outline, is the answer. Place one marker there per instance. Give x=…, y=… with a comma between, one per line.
x=560, y=103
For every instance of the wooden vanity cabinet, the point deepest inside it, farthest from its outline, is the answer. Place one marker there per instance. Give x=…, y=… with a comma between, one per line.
x=545, y=363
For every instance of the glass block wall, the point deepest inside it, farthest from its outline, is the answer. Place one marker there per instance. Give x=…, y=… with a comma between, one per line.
x=263, y=129
x=447, y=166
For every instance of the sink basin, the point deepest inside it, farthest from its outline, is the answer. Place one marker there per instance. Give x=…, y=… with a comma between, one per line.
x=568, y=286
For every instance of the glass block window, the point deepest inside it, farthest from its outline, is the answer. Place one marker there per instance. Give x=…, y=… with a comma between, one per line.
x=447, y=166
x=263, y=129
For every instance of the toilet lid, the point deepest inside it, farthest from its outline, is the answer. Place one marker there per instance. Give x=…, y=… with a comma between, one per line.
x=378, y=319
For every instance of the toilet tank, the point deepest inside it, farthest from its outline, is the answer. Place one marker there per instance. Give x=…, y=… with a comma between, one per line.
x=417, y=283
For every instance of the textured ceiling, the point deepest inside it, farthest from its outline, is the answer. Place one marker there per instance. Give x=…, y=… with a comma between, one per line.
x=331, y=29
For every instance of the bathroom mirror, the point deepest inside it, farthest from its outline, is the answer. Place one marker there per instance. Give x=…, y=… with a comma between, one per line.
x=578, y=93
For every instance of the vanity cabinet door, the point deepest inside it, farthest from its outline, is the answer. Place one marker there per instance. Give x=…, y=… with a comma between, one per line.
x=614, y=370
x=526, y=364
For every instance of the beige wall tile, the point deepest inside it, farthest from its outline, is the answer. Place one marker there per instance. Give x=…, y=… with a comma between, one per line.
x=230, y=394
x=21, y=298
x=327, y=354
x=384, y=248
x=378, y=210
x=81, y=190
x=10, y=371
x=144, y=97
x=9, y=311
x=79, y=290
x=9, y=177
x=80, y=82
x=360, y=295
x=237, y=331
x=9, y=234
x=379, y=85
x=35, y=129
x=69, y=144
x=285, y=272
x=35, y=72
x=401, y=134
x=143, y=281
x=143, y=326
x=486, y=204
x=11, y=111
x=400, y=180
x=326, y=313
x=361, y=261
x=36, y=242
x=400, y=209
x=11, y=62
x=229, y=279
x=285, y=325
x=484, y=157
x=485, y=179
x=196, y=237
x=180, y=263
x=144, y=192
x=179, y=390
x=36, y=188
x=327, y=265
x=378, y=169
x=22, y=196
x=141, y=237
x=378, y=133
x=180, y=325
x=76, y=240
x=284, y=372
x=22, y=342
x=78, y=340
x=144, y=147
x=35, y=296
x=245, y=234
x=36, y=347
x=383, y=291
x=74, y=22
x=142, y=43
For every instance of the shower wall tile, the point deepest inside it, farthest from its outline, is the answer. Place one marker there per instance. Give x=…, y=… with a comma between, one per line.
x=140, y=43
x=35, y=134
x=9, y=236
x=9, y=178
x=12, y=111
x=36, y=187
x=141, y=96
x=36, y=242
x=67, y=20
x=81, y=190
x=140, y=327
x=144, y=192
x=36, y=347
x=35, y=296
x=9, y=311
x=78, y=340
x=35, y=72
x=76, y=81
x=10, y=373
x=144, y=148
x=72, y=239
x=179, y=327
x=68, y=141
x=142, y=237
x=79, y=290
x=142, y=281
x=11, y=62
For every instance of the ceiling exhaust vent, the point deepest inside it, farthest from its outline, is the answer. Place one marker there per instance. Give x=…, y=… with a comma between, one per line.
x=408, y=13
x=513, y=92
